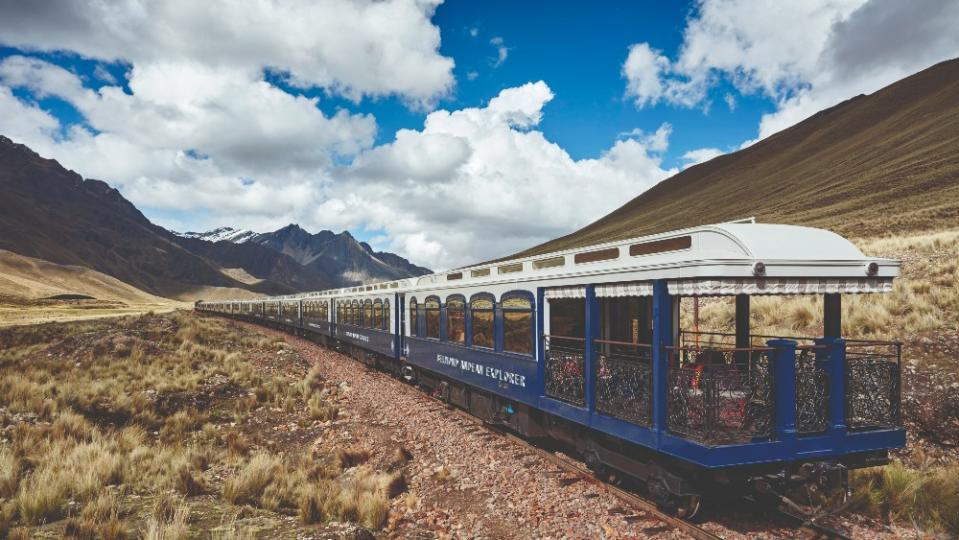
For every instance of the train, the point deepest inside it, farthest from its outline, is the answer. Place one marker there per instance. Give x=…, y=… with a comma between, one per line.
x=586, y=348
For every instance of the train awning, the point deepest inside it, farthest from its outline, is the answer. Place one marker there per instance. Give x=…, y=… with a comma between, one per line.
x=761, y=286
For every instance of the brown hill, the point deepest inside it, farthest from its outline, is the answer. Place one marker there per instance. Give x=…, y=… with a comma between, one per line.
x=51, y=213
x=873, y=165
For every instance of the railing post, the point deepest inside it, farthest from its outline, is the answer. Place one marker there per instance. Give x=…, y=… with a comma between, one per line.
x=662, y=338
x=837, y=388
x=540, y=340
x=784, y=388
x=592, y=330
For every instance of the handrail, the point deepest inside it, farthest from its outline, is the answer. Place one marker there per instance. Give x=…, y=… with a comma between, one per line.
x=571, y=338
x=717, y=349
x=623, y=343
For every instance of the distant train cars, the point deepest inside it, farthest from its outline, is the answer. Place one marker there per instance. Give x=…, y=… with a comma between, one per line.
x=587, y=347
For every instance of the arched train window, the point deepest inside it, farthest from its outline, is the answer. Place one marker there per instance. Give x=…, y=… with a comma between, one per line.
x=456, y=319
x=432, y=307
x=386, y=316
x=368, y=314
x=413, y=328
x=378, y=314
x=517, y=322
x=481, y=316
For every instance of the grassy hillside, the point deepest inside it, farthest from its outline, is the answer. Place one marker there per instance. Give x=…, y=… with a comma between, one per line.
x=871, y=166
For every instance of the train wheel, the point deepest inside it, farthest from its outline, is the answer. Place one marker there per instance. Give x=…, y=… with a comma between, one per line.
x=687, y=506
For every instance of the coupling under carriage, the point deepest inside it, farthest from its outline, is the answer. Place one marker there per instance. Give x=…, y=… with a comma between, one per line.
x=587, y=347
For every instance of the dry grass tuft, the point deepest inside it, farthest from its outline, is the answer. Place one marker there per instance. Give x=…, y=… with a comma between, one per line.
x=895, y=493
x=250, y=482
x=351, y=457
x=320, y=410
x=169, y=521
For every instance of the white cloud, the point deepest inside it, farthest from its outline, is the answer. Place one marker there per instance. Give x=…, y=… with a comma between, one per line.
x=482, y=182
x=700, y=155
x=643, y=70
x=730, y=100
x=805, y=56
x=472, y=75
x=354, y=48
x=502, y=51
x=658, y=141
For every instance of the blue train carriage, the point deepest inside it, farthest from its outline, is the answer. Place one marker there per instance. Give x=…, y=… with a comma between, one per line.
x=366, y=324
x=586, y=347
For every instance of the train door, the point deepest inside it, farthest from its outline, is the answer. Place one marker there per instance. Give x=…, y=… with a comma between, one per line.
x=400, y=324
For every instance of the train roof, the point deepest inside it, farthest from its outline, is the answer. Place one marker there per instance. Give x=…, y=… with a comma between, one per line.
x=724, y=252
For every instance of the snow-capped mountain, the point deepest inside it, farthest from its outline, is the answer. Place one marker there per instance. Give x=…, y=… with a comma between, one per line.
x=229, y=234
x=339, y=258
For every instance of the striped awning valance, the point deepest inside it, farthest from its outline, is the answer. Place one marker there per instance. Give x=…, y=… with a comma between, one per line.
x=760, y=286
x=619, y=290
x=565, y=292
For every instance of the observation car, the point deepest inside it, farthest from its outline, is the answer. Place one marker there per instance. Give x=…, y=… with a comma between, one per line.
x=586, y=347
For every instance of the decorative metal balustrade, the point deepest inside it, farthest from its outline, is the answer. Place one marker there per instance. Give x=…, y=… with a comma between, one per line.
x=873, y=384
x=720, y=396
x=624, y=380
x=565, y=369
x=812, y=389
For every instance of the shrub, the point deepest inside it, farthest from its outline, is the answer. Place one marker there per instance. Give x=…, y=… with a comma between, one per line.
x=250, y=482
x=320, y=410
x=351, y=457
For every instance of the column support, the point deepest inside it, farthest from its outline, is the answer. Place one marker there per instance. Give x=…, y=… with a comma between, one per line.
x=662, y=337
x=589, y=360
x=783, y=370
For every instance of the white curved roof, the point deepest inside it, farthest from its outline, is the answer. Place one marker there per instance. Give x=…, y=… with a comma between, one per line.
x=723, y=256
x=773, y=241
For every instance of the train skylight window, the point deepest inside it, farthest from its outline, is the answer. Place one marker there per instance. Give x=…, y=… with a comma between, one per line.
x=594, y=256
x=510, y=268
x=660, y=246
x=552, y=262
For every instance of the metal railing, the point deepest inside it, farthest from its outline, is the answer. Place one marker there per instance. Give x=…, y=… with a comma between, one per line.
x=720, y=396
x=624, y=380
x=873, y=384
x=812, y=389
x=565, y=368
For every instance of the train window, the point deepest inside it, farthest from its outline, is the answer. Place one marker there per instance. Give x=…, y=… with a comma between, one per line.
x=413, y=328
x=325, y=311
x=481, y=315
x=510, y=268
x=517, y=323
x=386, y=315
x=378, y=314
x=594, y=256
x=340, y=316
x=356, y=314
x=432, y=307
x=552, y=262
x=368, y=314
x=456, y=319
x=482, y=272
x=659, y=246
x=567, y=317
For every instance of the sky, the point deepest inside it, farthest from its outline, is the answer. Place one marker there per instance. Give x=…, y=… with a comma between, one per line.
x=447, y=132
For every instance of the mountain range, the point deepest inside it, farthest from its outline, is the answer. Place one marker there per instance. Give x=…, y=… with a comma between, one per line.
x=53, y=214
